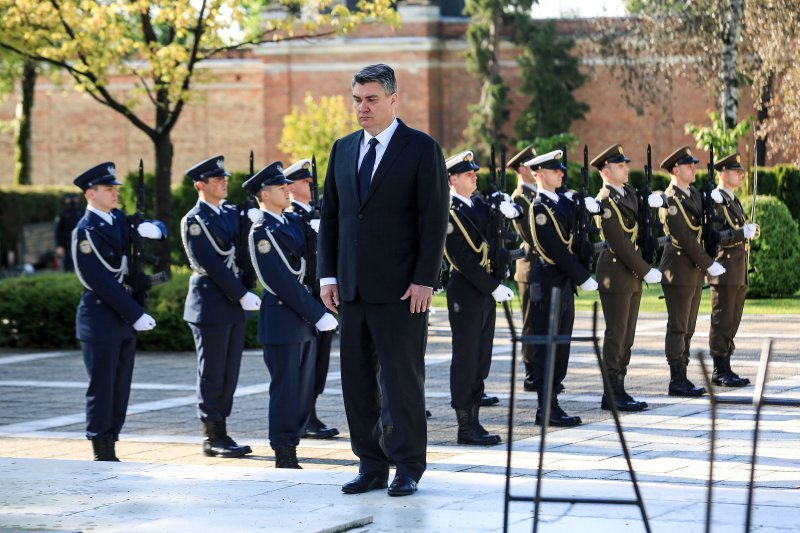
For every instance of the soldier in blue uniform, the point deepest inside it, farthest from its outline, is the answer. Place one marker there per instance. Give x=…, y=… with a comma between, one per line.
x=472, y=291
x=108, y=317
x=216, y=302
x=300, y=190
x=552, y=221
x=289, y=312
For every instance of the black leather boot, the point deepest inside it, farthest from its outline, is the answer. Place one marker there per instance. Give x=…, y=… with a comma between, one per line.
x=679, y=384
x=215, y=444
x=316, y=429
x=286, y=457
x=723, y=375
x=469, y=434
x=232, y=443
x=625, y=401
x=474, y=413
x=488, y=401
x=558, y=417
x=104, y=450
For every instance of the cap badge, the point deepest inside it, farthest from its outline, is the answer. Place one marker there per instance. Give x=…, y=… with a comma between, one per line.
x=738, y=159
x=468, y=157
x=619, y=149
x=688, y=152
x=220, y=163
x=306, y=165
x=111, y=170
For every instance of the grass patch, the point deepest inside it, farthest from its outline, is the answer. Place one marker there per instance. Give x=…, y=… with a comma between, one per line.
x=652, y=304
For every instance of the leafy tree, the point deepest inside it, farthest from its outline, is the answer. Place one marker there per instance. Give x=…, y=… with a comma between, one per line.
x=158, y=44
x=725, y=140
x=550, y=75
x=313, y=129
x=13, y=68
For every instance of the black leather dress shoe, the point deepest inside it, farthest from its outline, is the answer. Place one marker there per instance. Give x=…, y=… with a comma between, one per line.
x=488, y=401
x=363, y=483
x=402, y=486
x=530, y=386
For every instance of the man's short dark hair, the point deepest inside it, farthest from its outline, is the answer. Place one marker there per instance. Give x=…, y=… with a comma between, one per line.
x=379, y=73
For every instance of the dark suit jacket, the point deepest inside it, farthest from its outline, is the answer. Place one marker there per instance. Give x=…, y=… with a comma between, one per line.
x=377, y=248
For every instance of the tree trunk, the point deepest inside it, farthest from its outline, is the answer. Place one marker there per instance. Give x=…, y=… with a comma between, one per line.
x=763, y=116
x=163, y=194
x=731, y=22
x=22, y=126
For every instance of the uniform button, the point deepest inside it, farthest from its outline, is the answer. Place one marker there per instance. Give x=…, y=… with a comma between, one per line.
x=679, y=253
x=614, y=260
x=728, y=255
x=280, y=302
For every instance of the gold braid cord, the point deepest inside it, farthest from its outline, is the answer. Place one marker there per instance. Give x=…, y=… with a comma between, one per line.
x=697, y=228
x=632, y=231
x=482, y=250
x=539, y=249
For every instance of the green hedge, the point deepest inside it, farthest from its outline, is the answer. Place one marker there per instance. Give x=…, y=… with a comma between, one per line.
x=775, y=255
x=39, y=311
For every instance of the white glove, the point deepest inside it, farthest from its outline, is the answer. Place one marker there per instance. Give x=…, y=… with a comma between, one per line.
x=145, y=323
x=148, y=230
x=504, y=196
x=716, y=269
x=314, y=223
x=254, y=215
x=589, y=285
x=716, y=196
x=569, y=195
x=654, y=276
x=509, y=209
x=655, y=200
x=592, y=205
x=750, y=230
x=250, y=302
x=502, y=294
x=326, y=323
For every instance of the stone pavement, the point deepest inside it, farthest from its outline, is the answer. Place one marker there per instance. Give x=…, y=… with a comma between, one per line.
x=164, y=482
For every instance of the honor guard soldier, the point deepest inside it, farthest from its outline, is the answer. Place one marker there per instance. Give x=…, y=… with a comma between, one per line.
x=472, y=291
x=216, y=302
x=289, y=312
x=684, y=264
x=552, y=221
x=620, y=270
x=729, y=289
x=300, y=190
x=523, y=196
x=108, y=317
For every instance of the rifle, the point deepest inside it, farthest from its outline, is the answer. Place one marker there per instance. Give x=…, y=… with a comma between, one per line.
x=243, y=262
x=583, y=226
x=311, y=235
x=137, y=281
x=645, y=240
x=500, y=232
x=709, y=235
x=315, y=204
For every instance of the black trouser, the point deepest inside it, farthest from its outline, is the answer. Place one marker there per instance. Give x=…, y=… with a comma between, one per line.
x=110, y=370
x=727, y=304
x=391, y=336
x=683, y=302
x=291, y=370
x=219, y=357
x=324, y=340
x=540, y=307
x=527, y=326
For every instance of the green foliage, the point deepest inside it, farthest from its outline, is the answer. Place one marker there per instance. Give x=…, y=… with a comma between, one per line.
x=20, y=205
x=550, y=75
x=788, y=179
x=775, y=255
x=39, y=311
x=724, y=140
x=558, y=141
x=313, y=129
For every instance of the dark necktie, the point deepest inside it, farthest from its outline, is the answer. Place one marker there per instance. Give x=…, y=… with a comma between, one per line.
x=365, y=172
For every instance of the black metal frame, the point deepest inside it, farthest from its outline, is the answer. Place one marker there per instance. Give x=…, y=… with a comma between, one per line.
x=552, y=340
x=758, y=400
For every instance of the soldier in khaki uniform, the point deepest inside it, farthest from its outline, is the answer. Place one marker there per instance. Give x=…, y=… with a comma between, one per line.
x=728, y=290
x=620, y=270
x=683, y=265
x=523, y=196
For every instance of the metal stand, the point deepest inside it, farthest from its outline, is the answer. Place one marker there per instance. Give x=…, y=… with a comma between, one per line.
x=758, y=401
x=552, y=340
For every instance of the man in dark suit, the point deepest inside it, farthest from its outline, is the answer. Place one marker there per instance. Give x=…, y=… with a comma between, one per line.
x=215, y=303
x=728, y=291
x=108, y=318
x=382, y=232
x=684, y=264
